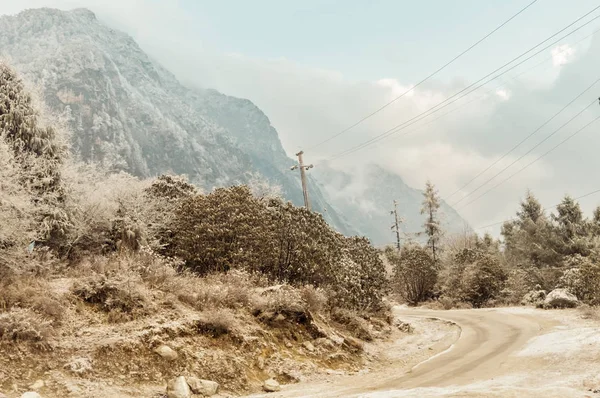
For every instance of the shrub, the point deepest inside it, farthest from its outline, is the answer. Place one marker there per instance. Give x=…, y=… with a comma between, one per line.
x=475, y=276
x=415, y=273
x=24, y=326
x=114, y=293
x=582, y=279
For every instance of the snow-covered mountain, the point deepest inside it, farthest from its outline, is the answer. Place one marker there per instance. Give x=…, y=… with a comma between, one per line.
x=132, y=114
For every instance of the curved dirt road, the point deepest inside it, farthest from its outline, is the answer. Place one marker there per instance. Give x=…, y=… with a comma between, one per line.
x=484, y=350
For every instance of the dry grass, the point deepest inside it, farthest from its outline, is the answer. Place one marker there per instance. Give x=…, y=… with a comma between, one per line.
x=32, y=293
x=356, y=325
x=122, y=296
x=21, y=325
x=217, y=323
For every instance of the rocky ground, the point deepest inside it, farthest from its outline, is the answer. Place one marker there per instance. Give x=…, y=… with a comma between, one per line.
x=80, y=335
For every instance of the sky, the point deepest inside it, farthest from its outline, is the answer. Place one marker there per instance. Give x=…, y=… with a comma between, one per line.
x=317, y=67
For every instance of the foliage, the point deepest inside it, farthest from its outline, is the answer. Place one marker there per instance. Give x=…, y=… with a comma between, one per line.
x=582, y=278
x=432, y=225
x=230, y=228
x=415, y=272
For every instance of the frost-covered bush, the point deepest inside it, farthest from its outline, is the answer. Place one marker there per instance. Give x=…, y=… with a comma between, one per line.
x=582, y=278
x=359, y=278
x=474, y=275
x=38, y=151
x=415, y=272
x=230, y=228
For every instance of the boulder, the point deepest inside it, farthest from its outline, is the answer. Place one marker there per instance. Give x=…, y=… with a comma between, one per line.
x=207, y=388
x=31, y=394
x=560, y=298
x=166, y=352
x=178, y=388
x=271, y=385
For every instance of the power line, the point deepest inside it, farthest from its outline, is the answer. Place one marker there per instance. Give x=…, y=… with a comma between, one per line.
x=534, y=161
x=551, y=207
x=525, y=139
x=496, y=88
x=445, y=102
x=521, y=142
x=424, y=80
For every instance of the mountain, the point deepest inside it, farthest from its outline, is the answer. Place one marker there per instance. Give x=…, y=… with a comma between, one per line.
x=366, y=196
x=128, y=112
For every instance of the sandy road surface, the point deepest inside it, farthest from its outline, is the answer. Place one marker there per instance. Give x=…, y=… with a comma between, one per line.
x=498, y=353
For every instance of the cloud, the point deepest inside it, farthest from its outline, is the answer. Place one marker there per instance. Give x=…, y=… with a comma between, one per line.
x=562, y=54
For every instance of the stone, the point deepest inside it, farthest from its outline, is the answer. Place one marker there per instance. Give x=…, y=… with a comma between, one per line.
x=178, y=388
x=166, y=352
x=337, y=339
x=31, y=394
x=207, y=388
x=79, y=366
x=271, y=385
x=37, y=385
x=560, y=298
x=309, y=346
x=2, y=395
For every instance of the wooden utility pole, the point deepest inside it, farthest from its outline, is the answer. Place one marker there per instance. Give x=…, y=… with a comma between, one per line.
x=396, y=226
x=303, y=169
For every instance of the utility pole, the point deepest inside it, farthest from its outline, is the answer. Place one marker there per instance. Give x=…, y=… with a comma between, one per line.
x=396, y=225
x=303, y=169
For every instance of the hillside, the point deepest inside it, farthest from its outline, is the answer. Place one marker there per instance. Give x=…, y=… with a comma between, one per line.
x=129, y=113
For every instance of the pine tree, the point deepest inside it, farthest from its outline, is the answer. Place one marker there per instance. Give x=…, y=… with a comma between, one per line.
x=430, y=208
x=531, y=210
x=569, y=218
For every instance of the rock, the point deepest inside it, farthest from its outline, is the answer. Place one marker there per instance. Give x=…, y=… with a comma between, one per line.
x=271, y=385
x=560, y=298
x=337, y=339
x=178, y=388
x=205, y=387
x=37, y=385
x=166, y=352
x=31, y=394
x=309, y=346
x=325, y=343
x=79, y=366
x=2, y=395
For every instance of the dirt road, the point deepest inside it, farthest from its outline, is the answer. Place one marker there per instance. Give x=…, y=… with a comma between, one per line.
x=498, y=353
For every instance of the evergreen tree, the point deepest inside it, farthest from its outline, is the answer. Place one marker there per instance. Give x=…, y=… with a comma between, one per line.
x=430, y=208
x=531, y=210
x=569, y=219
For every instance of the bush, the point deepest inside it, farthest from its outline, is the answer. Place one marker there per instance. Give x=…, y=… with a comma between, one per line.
x=582, y=279
x=231, y=229
x=24, y=326
x=474, y=276
x=114, y=293
x=415, y=273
